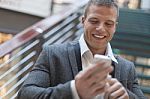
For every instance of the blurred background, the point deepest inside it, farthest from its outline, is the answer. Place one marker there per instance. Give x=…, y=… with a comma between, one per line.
x=25, y=26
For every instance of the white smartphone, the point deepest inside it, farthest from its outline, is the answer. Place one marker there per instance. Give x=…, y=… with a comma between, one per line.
x=98, y=58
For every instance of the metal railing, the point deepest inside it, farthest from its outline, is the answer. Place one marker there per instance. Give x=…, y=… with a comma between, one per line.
x=25, y=47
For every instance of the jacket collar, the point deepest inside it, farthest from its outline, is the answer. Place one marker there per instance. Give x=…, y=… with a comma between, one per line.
x=74, y=57
x=117, y=68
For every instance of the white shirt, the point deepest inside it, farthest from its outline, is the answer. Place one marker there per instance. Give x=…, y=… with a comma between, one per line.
x=87, y=57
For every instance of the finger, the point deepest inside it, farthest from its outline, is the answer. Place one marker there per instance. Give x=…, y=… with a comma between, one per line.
x=90, y=81
x=98, y=85
x=103, y=68
x=89, y=70
x=99, y=90
x=100, y=66
x=118, y=93
x=106, y=95
x=124, y=96
x=112, y=81
x=103, y=72
x=114, y=86
x=94, y=69
x=99, y=76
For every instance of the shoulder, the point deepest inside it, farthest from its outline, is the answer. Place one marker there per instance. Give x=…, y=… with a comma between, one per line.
x=59, y=48
x=125, y=64
x=61, y=45
x=122, y=60
x=127, y=68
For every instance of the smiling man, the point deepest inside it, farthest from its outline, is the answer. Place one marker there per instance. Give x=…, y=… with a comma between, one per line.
x=65, y=71
x=99, y=25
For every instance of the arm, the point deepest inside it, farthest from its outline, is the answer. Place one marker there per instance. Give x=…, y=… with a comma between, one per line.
x=38, y=84
x=134, y=90
x=128, y=88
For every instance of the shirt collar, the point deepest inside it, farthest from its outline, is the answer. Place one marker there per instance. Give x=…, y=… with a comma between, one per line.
x=84, y=48
x=110, y=54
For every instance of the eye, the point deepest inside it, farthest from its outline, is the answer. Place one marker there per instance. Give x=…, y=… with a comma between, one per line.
x=93, y=21
x=109, y=24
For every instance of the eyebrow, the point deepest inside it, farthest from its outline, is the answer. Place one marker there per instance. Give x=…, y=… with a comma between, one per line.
x=111, y=21
x=93, y=18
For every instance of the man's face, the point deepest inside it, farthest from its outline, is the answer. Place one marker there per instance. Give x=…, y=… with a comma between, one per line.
x=99, y=26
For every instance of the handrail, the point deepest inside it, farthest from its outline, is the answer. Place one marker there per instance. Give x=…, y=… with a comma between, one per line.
x=25, y=47
x=36, y=29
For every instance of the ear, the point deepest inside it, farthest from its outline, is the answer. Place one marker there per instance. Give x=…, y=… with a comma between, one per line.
x=82, y=19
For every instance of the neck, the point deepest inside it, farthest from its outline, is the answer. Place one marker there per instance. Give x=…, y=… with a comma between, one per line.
x=98, y=51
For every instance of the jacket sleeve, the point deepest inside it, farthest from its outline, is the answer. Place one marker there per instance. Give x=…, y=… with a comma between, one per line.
x=38, y=83
x=133, y=85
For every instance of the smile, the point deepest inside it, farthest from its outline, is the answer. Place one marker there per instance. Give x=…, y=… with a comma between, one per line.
x=99, y=36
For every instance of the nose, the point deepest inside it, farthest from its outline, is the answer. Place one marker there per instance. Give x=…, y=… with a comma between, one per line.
x=100, y=27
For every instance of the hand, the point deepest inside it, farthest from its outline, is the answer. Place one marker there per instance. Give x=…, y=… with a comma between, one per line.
x=92, y=81
x=116, y=90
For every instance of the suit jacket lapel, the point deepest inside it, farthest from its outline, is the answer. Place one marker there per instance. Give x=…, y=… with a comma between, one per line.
x=72, y=57
x=117, y=69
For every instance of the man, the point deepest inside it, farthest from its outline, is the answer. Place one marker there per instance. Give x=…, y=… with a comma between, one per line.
x=63, y=71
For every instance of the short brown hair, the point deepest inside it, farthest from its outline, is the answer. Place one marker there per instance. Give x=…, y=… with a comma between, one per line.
x=109, y=3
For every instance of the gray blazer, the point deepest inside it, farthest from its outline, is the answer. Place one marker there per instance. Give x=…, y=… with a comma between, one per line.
x=57, y=65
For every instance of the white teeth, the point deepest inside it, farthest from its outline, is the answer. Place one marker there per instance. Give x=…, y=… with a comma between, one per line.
x=98, y=36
